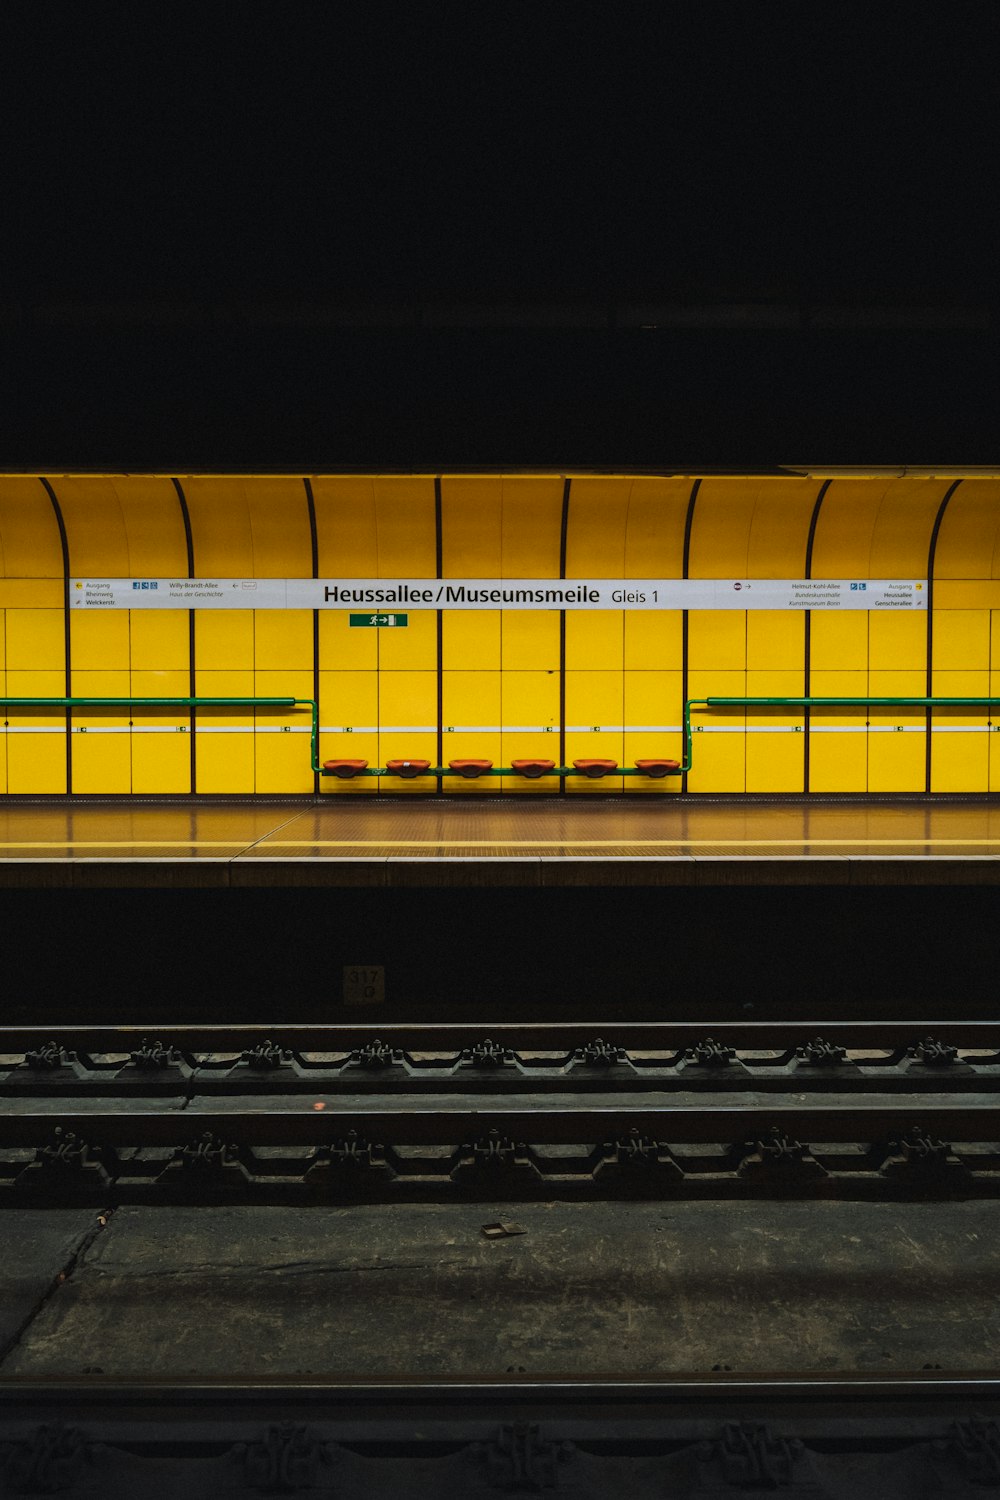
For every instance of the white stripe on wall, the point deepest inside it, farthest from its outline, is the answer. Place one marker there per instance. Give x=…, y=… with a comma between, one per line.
x=501, y=729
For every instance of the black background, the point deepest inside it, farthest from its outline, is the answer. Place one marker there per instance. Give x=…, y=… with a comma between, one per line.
x=198, y=199
x=149, y=957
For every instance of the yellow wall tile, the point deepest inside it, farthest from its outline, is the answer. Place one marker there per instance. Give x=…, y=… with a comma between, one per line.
x=964, y=593
x=838, y=762
x=225, y=684
x=839, y=642
x=99, y=641
x=898, y=747
x=226, y=763
x=717, y=638
x=281, y=763
x=158, y=640
x=408, y=700
x=223, y=639
x=654, y=639
x=350, y=700
x=653, y=698
x=779, y=684
x=35, y=640
x=110, y=684
x=775, y=639
x=718, y=763
x=411, y=647
x=102, y=762
x=283, y=638
x=471, y=639
x=160, y=685
x=530, y=699
x=32, y=593
x=161, y=763
x=595, y=640
x=36, y=763
x=473, y=699
x=775, y=762
x=529, y=639
x=896, y=642
x=346, y=647
x=961, y=639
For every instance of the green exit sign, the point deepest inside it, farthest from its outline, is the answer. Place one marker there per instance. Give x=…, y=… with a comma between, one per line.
x=380, y=619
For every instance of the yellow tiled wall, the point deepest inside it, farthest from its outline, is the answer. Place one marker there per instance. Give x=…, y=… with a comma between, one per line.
x=498, y=689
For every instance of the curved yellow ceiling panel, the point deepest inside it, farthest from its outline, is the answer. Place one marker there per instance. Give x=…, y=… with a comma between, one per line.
x=95, y=525
x=29, y=532
x=279, y=527
x=220, y=524
x=345, y=526
x=532, y=525
x=970, y=530
x=654, y=526
x=595, y=534
x=404, y=521
x=779, y=528
x=720, y=535
x=471, y=525
x=901, y=538
x=843, y=540
x=154, y=526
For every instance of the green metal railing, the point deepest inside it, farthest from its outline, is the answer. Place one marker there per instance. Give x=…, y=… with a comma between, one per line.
x=197, y=702
x=692, y=703
x=818, y=703
x=313, y=706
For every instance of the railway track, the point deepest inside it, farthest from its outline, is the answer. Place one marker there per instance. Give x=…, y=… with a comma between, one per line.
x=312, y=1114
x=916, y=1433
x=278, y=1113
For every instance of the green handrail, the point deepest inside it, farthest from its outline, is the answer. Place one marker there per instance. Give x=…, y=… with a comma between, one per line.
x=691, y=703
x=195, y=702
x=810, y=702
x=817, y=703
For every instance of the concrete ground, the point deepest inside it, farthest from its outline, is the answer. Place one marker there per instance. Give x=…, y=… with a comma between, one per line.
x=417, y=1288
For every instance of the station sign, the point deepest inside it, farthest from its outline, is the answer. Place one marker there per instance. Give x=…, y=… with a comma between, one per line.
x=375, y=596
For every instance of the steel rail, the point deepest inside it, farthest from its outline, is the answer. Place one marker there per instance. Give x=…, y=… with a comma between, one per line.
x=415, y=1121
x=534, y=1036
x=143, y=1390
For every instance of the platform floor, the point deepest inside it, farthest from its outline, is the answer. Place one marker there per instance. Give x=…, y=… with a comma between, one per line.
x=488, y=841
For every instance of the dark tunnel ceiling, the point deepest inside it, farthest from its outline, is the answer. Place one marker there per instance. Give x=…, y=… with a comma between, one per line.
x=746, y=308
